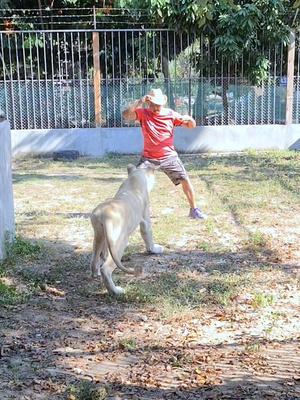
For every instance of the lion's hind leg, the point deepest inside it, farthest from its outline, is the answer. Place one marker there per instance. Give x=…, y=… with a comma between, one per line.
x=99, y=251
x=106, y=272
x=109, y=265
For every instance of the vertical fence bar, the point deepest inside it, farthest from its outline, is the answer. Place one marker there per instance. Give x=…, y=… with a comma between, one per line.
x=80, y=79
x=133, y=68
x=67, y=90
x=5, y=72
x=140, y=55
x=12, y=92
x=119, y=122
x=290, y=80
x=45, y=36
x=297, y=83
x=87, y=78
x=275, y=84
x=154, y=56
x=127, y=69
x=60, y=74
x=106, y=46
x=244, y=95
x=270, y=81
x=167, y=70
x=97, y=89
x=53, y=115
x=113, y=78
x=74, y=115
x=18, y=68
x=39, y=101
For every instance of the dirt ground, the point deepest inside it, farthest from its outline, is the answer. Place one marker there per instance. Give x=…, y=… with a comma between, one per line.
x=73, y=341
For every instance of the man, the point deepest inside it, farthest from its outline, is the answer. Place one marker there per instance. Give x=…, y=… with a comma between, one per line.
x=157, y=123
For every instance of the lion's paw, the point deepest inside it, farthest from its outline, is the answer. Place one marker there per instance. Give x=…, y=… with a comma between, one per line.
x=96, y=274
x=157, y=248
x=118, y=290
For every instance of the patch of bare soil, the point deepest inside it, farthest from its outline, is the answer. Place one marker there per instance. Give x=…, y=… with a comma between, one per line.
x=73, y=335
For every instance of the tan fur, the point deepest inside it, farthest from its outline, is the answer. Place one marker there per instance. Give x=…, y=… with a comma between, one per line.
x=116, y=219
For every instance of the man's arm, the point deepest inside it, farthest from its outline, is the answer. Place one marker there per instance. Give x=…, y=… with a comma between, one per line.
x=129, y=112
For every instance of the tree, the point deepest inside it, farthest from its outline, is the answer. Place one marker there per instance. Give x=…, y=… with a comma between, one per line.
x=247, y=31
x=233, y=30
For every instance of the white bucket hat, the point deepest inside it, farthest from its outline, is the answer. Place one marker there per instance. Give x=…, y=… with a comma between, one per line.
x=157, y=97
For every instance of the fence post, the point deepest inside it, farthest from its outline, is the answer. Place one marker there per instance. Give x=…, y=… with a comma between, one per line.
x=97, y=88
x=290, y=80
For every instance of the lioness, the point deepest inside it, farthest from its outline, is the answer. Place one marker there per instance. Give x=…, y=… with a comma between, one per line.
x=116, y=219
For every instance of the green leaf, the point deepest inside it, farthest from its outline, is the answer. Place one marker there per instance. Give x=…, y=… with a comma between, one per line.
x=296, y=4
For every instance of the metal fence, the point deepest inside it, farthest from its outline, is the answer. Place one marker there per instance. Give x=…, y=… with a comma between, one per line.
x=65, y=79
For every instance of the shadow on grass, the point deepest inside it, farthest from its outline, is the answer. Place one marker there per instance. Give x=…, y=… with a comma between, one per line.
x=24, y=178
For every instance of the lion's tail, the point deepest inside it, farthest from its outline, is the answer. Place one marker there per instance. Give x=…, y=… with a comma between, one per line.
x=112, y=250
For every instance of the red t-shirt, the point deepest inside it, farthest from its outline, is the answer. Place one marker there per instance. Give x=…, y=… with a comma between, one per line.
x=157, y=131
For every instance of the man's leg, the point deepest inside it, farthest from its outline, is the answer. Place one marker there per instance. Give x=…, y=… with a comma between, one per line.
x=174, y=169
x=188, y=190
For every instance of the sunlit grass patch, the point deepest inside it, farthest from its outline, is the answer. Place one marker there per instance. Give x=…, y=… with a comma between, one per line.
x=224, y=288
x=176, y=292
x=260, y=300
x=173, y=291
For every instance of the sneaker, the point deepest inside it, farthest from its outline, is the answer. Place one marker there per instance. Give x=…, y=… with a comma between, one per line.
x=197, y=213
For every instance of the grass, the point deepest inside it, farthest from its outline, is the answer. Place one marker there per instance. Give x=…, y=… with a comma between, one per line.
x=19, y=251
x=231, y=279
x=242, y=193
x=86, y=391
x=21, y=247
x=262, y=300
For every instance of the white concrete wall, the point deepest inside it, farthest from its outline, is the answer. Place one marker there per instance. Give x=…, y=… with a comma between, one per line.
x=98, y=141
x=6, y=190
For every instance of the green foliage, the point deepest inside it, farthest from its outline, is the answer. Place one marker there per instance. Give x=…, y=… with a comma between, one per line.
x=4, y=5
x=170, y=289
x=249, y=30
x=86, y=391
x=296, y=4
x=222, y=288
x=260, y=300
x=17, y=250
x=258, y=238
x=32, y=41
x=21, y=247
x=176, y=292
x=236, y=31
x=127, y=344
x=8, y=294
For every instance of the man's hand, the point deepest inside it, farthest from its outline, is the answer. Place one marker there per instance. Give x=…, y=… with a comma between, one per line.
x=188, y=121
x=187, y=118
x=146, y=98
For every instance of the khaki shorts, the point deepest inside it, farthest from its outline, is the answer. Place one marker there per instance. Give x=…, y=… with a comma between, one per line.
x=171, y=166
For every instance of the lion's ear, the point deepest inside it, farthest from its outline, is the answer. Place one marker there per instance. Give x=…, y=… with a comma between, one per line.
x=150, y=166
x=130, y=168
